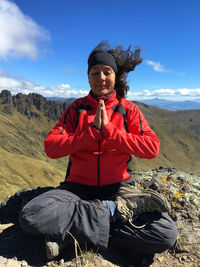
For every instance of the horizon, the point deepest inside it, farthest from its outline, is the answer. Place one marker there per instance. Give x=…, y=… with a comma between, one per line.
x=44, y=49
x=73, y=97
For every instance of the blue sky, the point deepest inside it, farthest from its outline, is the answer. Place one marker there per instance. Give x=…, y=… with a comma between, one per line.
x=44, y=45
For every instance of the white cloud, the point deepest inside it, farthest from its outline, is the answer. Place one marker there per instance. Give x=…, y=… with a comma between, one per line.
x=159, y=68
x=19, y=34
x=171, y=94
x=189, y=92
x=6, y=82
x=156, y=66
x=64, y=86
x=16, y=85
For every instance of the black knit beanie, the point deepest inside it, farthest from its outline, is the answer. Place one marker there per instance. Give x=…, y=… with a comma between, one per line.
x=102, y=57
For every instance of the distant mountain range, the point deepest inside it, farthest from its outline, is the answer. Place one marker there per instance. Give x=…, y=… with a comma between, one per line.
x=160, y=103
x=61, y=99
x=172, y=105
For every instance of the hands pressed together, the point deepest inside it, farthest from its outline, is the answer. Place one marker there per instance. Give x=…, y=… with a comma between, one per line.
x=101, y=118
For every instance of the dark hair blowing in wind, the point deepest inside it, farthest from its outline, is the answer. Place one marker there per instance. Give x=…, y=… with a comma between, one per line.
x=126, y=61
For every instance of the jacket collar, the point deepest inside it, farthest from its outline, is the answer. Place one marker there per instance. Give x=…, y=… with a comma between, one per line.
x=109, y=102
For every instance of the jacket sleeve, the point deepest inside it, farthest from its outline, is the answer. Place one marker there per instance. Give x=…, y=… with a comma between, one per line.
x=66, y=138
x=139, y=140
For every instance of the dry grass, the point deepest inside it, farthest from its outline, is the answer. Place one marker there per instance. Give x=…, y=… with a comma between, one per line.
x=23, y=163
x=179, y=139
x=87, y=258
x=91, y=259
x=19, y=172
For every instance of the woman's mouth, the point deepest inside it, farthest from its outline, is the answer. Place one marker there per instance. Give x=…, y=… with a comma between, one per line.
x=102, y=86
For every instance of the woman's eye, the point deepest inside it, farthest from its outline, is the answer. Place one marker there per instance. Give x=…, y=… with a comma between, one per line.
x=106, y=73
x=94, y=73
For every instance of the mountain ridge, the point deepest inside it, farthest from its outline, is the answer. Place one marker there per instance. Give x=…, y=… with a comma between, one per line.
x=26, y=120
x=172, y=105
x=157, y=102
x=30, y=104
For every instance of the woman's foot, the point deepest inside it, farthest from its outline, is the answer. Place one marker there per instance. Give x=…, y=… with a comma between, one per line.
x=131, y=202
x=53, y=248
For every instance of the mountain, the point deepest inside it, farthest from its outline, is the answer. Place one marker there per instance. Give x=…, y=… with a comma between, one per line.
x=26, y=119
x=31, y=105
x=172, y=105
x=160, y=103
x=61, y=99
x=24, y=124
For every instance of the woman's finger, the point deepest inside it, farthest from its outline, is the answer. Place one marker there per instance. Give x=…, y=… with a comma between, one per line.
x=98, y=117
x=104, y=114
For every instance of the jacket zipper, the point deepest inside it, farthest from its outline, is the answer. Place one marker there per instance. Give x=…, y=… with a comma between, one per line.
x=98, y=164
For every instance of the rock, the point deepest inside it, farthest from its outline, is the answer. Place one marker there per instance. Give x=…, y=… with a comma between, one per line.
x=24, y=264
x=31, y=105
x=7, y=101
x=61, y=262
x=170, y=182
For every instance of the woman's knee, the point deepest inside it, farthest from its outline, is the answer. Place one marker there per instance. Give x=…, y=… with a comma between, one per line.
x=161, y=231
x=46, y=210
x=33, y=213
x=171, y=236
x=168, y=231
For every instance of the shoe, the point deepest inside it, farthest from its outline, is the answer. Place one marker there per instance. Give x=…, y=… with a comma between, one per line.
x=131, y=202
x=144, y=260
x=53, y=248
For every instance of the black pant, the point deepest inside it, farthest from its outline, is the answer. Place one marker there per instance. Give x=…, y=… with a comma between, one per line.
x=78, y=209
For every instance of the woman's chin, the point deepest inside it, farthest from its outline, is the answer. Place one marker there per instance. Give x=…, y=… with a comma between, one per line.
x=102, y=92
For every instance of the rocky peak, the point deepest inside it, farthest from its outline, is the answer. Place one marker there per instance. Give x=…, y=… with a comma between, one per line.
x=31, y=105
x=7, y=101
x=5, y=93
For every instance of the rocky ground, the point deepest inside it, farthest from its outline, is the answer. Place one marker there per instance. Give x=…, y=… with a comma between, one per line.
x=18, y=249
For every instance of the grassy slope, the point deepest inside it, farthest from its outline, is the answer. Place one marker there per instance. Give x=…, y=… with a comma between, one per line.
x=19, y=171
x=23, y=163
x=179, y=139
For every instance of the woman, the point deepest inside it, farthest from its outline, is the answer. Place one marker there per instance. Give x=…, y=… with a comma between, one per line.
x=98, y=203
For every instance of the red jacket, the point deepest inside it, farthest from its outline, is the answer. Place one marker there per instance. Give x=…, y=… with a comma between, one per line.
x=101, y=157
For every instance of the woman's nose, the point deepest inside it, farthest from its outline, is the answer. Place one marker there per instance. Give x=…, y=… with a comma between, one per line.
x=101, y=76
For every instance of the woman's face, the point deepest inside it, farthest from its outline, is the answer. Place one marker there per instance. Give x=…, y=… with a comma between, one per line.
x=101, y=79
